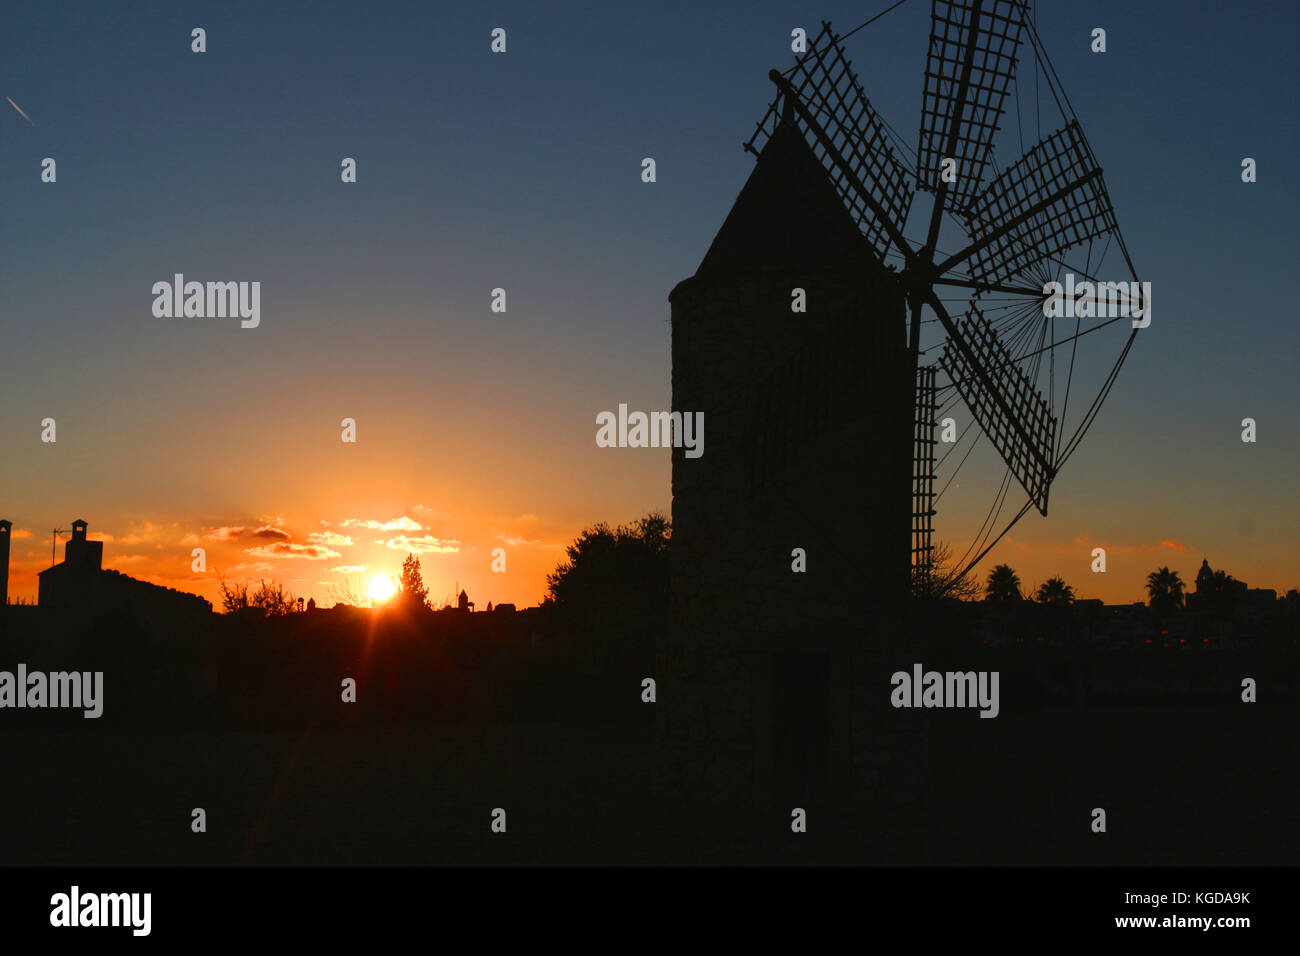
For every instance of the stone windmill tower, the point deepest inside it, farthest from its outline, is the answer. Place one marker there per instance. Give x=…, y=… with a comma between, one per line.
x=809, y=419
x=821, y=422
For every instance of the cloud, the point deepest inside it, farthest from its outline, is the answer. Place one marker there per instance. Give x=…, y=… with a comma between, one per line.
x=266, y=531
x=330, y=538
x=425, y=545
x=190, y=539
x=288, y=549
x=396, y=524
x=1112, y=547
x=226, y=533
x=348, y=568
x=20, y=533
x=254, y=566
x=525, y=542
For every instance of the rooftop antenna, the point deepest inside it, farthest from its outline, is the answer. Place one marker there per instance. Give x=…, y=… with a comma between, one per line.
x=54, y=537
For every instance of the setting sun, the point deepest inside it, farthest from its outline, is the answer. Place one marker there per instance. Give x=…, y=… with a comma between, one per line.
x=381, y=588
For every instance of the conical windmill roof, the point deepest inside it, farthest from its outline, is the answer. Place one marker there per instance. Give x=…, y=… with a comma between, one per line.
x=787, y=215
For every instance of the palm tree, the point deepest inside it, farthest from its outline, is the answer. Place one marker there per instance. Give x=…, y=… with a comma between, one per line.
x=1054, y=591
x=1222, y=594
x=1165, y=589
x=1003, y=586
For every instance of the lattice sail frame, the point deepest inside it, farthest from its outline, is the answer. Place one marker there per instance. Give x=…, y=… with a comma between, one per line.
x=923, y=478
x=1020, y=425
x=964, y=130
x=1052, y=199
x=824, y=80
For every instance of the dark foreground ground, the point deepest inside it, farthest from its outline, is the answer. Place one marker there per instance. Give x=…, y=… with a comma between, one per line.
x=249, y=726
x=1176, y=792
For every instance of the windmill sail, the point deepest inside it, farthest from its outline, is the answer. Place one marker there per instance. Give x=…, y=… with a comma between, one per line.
x=968, y=70
x=1051, y=199
x=848, y=138
x=923, y=478
x=1010, y=411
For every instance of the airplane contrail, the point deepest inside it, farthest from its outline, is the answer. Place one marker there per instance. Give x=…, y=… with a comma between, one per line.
x=20, y=111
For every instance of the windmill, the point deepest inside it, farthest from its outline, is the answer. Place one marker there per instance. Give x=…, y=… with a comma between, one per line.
x=992, y=345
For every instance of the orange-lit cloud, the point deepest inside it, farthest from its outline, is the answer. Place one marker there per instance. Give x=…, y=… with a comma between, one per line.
x=425, y=545
x=331, y=538
x=524, y=542
x=260, y=566
x=1112, y=547
x=289, y=549
x=225, y=533
x=277, y=534
x=396, y=524
x=20, y=533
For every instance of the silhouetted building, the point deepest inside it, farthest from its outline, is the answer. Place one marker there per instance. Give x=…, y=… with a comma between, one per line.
x=80, y=551
x=81, y=583
x=1223, y=592
x=463, y=603
x=809, y=427
x=1204, y=577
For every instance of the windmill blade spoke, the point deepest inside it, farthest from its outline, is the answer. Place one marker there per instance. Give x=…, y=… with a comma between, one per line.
x=1004, y=401
x=823, y=98
x=968, y=71
x=1052, y=199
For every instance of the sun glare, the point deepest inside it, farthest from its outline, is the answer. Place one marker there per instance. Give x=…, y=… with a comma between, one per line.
x=381, y=588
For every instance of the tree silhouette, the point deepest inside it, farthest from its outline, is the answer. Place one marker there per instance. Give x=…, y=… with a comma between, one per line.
x=1221, y=590
x=1054, y=591
x=944, y=582
x=612, y=591
x=1165, y=590
x=273, y=598
x=411, y=592
x=604, y=562
x=1003, y=586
